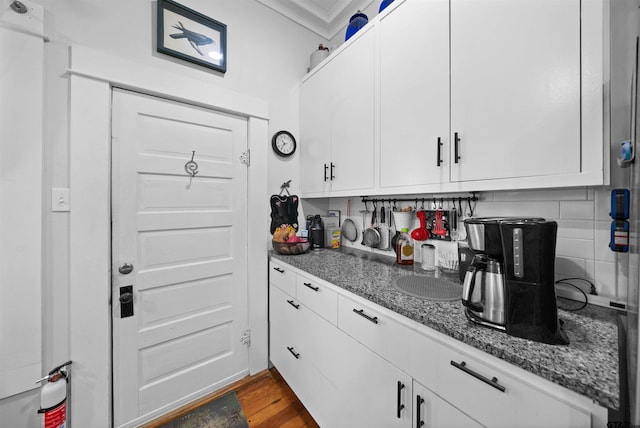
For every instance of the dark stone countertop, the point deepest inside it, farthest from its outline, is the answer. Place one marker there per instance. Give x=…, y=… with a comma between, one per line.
x=588, y=365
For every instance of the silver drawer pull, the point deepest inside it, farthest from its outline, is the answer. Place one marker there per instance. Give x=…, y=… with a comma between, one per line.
x=493, y=381
x=363, y=315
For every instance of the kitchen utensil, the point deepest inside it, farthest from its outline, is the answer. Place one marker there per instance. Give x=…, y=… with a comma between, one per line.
x=384, y=230
x=349, y=230
x=371, y=236
x=364, y=226
x=421, y=233
x=448, y=261
x=453, y=224
x=438, y=227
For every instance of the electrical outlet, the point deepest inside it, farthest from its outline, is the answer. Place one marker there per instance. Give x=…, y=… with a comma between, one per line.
x=60, y=200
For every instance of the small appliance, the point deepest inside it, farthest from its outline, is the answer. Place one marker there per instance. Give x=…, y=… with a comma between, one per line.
x=509, y=284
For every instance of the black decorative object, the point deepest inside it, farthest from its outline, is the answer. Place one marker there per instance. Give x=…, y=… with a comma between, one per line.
x=191, y=36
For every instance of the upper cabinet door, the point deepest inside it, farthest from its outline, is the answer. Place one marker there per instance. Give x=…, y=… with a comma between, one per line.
x=414, y=94
x=515, y=88
x=352, y=114
x=338, y=123
x=315, y=126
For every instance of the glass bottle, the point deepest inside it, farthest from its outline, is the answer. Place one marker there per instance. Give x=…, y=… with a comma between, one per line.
x=404, y=248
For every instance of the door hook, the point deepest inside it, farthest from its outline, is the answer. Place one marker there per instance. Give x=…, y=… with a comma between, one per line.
x=191, y=167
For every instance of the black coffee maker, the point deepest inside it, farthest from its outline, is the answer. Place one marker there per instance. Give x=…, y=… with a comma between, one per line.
x=510, y=283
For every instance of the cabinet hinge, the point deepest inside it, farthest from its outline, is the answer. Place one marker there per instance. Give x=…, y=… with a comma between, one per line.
x=245, y=157
x=245, y=338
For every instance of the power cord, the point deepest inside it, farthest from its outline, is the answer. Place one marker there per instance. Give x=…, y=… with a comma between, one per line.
x=592, y=291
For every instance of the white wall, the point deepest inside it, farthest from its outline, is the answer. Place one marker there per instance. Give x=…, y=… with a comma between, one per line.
x=267, y=57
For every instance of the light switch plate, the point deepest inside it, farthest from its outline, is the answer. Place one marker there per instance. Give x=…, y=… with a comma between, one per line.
x=60, y=200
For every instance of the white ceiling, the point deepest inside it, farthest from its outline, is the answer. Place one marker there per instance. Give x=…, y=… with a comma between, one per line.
x=324, y=17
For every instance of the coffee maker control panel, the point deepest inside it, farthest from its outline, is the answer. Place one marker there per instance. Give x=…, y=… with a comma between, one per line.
x=518, y=265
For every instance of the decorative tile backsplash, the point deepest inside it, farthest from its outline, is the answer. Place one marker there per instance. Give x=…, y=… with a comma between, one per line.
x=582, y=248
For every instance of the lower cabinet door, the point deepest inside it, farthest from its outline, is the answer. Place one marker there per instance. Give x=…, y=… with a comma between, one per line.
x=293, y=329
x=339, y=381
x=371, y=391
x=429, y=410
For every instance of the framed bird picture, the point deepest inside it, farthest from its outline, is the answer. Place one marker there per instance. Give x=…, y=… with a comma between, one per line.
x=191, y=36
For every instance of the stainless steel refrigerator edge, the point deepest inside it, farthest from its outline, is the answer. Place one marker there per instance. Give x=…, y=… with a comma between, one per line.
x=625, y=27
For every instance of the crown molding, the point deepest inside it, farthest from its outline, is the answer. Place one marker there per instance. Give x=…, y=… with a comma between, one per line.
x=326, y=18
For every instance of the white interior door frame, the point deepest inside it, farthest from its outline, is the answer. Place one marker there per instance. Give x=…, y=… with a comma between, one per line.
x=92, y=76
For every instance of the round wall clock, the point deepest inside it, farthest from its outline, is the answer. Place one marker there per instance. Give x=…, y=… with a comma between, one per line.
x=283, y=143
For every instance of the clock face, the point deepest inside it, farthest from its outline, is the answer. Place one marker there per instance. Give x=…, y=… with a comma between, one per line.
x=283, y=143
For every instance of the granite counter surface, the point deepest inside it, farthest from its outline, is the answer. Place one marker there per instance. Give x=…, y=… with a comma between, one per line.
x=588, y=365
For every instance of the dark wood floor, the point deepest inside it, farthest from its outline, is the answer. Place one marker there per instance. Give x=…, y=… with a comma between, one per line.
x=267, y=402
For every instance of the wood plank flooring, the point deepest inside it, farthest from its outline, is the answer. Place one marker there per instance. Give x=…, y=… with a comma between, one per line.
x=266, y=399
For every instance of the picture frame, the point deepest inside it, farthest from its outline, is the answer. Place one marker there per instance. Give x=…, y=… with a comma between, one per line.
x=191, y=36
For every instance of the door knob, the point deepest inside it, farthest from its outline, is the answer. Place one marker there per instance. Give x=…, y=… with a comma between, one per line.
x=125, y=268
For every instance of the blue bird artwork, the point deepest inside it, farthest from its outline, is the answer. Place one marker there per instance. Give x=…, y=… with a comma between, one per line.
x=194, y=39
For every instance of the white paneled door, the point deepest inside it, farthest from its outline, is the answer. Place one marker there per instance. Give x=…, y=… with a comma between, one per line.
x=179, y=256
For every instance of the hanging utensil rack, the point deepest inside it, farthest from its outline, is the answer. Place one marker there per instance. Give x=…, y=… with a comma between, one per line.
x=473, y=197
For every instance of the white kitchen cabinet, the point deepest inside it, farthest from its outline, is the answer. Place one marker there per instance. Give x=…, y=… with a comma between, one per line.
x=318, y=297
x=293, y=354
x=331, y=373
x=515, y=89
x=431, y=411
x=414, y=94
x=467, y=96
x=347, y=375
x=337, y=121
x=282, y=277
x=496, y=398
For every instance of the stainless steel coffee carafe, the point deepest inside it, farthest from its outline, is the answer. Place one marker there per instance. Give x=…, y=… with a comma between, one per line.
x=483, y=290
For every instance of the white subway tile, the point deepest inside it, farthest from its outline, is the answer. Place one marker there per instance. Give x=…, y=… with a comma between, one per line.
x=579, y=194
x=605, y=279
x=577, y=210
x=580, y=229
x=548, y=210
x=603, y=235
x=603, y=204
x=566, y=267
x=578, y=248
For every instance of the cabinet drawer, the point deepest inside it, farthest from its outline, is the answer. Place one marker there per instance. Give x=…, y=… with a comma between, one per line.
x=379, y=332
x=318, y=297
x=495, y=398
x=282, y=277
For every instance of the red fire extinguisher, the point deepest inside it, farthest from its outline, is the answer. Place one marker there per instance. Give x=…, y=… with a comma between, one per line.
x=53, y=397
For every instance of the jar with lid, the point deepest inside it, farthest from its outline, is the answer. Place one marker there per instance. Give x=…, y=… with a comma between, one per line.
x=404, y=248
x=428, y=257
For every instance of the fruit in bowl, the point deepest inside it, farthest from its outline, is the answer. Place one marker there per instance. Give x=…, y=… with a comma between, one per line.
x=298, y=246
x=285, y=241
